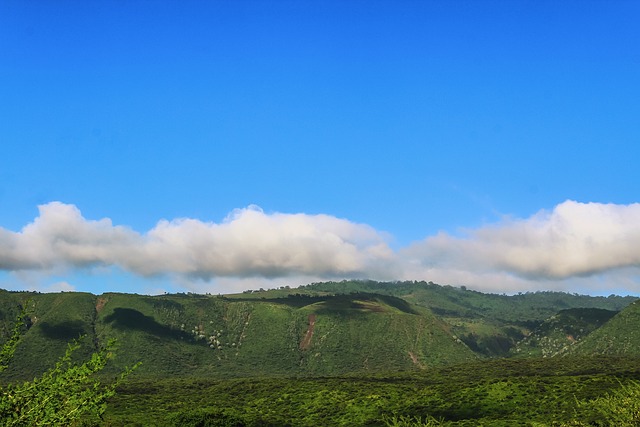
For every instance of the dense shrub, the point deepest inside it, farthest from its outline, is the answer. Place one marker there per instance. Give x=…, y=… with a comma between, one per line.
x=205, y=418
x=67, y=394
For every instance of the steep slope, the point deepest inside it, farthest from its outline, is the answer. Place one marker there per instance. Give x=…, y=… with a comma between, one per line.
x=215, y=336
x=371, y=332
x=490, y=324
x=54, y=320
x=294, y=335
x=320, y=329
x=620, y=336
x=560, y=332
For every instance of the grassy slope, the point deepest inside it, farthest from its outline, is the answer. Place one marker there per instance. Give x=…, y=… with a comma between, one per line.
x=464, y=303
x=55, y=320
x=490, y=324
x=558, y=334
x=404, y=326
x=213, y=336
x=374, y=335
x=619, y=336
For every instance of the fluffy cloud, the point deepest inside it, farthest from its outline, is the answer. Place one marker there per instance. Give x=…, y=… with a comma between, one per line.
x=573, y=240
x=575, y=247
x=60, y=236
x=248, y=243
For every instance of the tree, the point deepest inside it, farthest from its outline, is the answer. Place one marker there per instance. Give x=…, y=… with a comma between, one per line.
x=67, y=394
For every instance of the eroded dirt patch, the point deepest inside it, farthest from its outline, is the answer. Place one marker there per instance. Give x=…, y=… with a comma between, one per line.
x=306, y=342
x=100, y=303
x=415, y=360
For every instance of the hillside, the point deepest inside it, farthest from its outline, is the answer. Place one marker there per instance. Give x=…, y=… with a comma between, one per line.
x=214, y=336
x=462, y=302
x=558, y=334
x=620, y=336
x=315, y=330
x=490, y=324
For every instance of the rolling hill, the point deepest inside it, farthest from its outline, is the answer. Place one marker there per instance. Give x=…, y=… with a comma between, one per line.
x=215, y=336
x=316, y=330
x=490, y=324
x=620, y=336
x=558, y=334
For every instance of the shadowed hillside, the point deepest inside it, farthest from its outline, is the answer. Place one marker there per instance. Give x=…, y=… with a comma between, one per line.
x=620, y=336
x=490, y=324
x=212, y=336
x=558, y=334
x=320, y=329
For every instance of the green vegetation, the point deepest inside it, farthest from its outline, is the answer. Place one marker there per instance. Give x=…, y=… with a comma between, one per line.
x=355, y=353
x=215, y=336
x=620, y=407
x=619, y=336
x=490, y=324
x=558, y=334
x=499, y=392
x=64, y=395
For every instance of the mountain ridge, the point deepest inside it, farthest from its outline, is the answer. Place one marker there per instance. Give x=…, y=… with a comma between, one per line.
x=329, y=328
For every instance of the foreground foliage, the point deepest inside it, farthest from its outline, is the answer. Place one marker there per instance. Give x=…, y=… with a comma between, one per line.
x=524, y=392
x=67, y=394
x=620, y=408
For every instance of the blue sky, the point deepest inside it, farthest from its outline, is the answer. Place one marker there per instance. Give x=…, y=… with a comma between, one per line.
x=217, y=146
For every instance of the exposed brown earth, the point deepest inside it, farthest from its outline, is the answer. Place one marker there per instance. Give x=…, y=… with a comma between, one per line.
x=306, y=342
x=100, y=303
x=415, y=360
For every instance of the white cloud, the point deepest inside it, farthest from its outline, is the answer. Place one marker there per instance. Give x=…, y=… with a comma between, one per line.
x=34, y=281
x=575, y=246
x=60, y=236
x=60, y=287
x=573, y=240
x=248, y=243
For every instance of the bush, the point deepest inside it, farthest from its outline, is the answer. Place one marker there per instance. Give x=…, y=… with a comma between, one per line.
x=620, y=408
x=67, y=394
x=205, y=418
x=407, y=421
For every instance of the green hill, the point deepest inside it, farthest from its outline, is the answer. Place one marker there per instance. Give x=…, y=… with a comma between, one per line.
x=316, y=330
x=54, y=320
x=215, y=336
x=465, y=303
x=490, y=324
x=620, y=336
x=558, y=334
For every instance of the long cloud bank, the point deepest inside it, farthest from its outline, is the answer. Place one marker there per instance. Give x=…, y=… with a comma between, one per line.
x=247, y=243
x=573, y=242
x=574, y=239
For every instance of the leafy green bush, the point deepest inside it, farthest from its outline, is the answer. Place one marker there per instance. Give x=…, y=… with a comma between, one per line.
x=619, y=408
x=67, y=394
x=205, y=418
x=407, y=421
